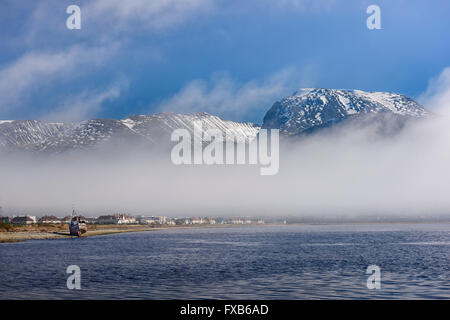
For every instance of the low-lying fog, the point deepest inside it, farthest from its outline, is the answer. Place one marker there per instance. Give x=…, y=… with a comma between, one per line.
x=348, y=171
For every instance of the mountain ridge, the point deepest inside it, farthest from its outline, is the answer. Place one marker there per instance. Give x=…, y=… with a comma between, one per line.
x=312, y=107
x=56, y=137
x=305, y=111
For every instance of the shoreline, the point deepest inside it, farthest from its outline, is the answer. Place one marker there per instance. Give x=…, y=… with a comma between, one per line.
x=20, y=236
x=59, y=232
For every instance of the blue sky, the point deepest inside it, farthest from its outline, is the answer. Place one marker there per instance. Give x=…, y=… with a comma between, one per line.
x=230, y=58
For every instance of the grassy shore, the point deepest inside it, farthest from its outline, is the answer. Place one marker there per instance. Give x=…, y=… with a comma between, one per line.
x=48, y=231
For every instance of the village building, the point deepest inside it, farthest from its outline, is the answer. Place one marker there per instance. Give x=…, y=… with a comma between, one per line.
x=5, y=219
x=109, y=219
x=148, y=220
x=92, y=220
x=126, y=219
x=155, y=220
x=116, y=219
x=50, y=220
x=26, y=220
x=197, y=220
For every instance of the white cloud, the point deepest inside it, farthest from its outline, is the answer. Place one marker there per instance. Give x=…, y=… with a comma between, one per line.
x=83, y=106
x=224, y=97
x=155, y=14
x=34, y=70
x=437, y=95
x=105, y=19
x=304, y=4
x=298, y=6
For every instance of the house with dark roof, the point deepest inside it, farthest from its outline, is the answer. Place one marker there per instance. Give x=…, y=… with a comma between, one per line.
x=23, y=220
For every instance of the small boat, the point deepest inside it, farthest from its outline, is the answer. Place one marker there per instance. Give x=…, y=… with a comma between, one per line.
x=77, y=225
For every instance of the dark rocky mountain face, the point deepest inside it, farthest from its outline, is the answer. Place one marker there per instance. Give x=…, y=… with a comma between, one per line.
x=311, y=109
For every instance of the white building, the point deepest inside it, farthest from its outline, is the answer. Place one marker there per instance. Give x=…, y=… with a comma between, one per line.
x=125, y=219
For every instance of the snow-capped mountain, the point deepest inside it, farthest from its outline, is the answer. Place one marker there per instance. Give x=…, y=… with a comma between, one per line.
x=26, y=134
x=307, y=109
x=163, y=124
x=154, y=130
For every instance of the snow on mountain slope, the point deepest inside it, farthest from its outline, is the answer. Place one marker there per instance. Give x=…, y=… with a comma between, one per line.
x=305, y=110
x=87, y=134
x=153, y=129
x=163, y=124
x=309, y=108
x=27, y=133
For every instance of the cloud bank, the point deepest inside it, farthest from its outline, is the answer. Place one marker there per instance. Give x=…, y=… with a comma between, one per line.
x=33, y=72
x=223, y=96
x=437, y=95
